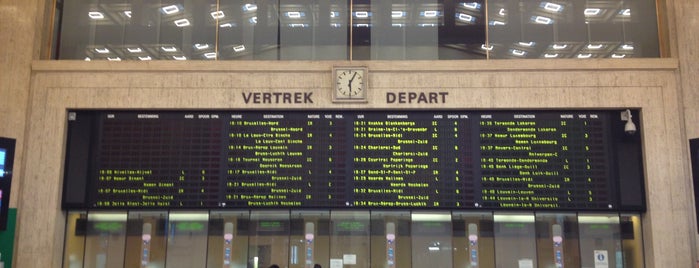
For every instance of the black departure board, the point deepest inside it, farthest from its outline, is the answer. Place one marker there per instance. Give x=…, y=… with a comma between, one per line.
x=538, y=160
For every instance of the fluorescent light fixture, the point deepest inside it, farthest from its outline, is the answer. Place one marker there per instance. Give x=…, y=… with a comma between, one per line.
x=498, y=218
x=488, y=48
x=188, y=217
x=625, y=12
x=527, y=44
x=182, y=22
x=627, y=47
x=127, y=13
x=297, y=25
x=553, y=7
x=210, y=55
x=362, y=25
x=361, y=14
x=497, y=22
x=518, y=52
x=249, y=7
x=226, y=25
x=598, y=219
x=549, y=56
x=107, y=217
x=559, y=47
x=201, y=46
x=179, y=57
x=145, y=58
x=592, y=11
x=170, y=9
x=253, y=20
x=218, y=15
x=472, y=5
x=397, y=14
x=336, y=25
x=430, y=217
x=434, y=246
x=334, y=14
x=542, y=20
x=102, y=50
x=502, y=12
x=618, y=56
x=113, y=59
x=465, y=17
x=294, y=14
x=95, y=15
x=427, y=25
x=239, y=48
x=397, y=25
x=87, y=59
x=430, y=13
x=134, y=49
x=597, y=46
x=584, y=56
x=169, y=49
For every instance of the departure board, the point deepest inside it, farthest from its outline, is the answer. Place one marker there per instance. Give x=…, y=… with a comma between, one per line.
x=538, y=160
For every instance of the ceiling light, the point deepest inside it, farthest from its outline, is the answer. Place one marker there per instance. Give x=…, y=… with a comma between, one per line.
x=294, y=14
x=597, y=46
x=297, y=25
x=334, y=14
x=527, y=44
x=618, y=56
x=179, y=57
x=210, y=55
x=584, y=56
x=397, y=25
x=135, y=50
x=488, y=48
x=201, y=46
x=497, y=22
x=559, y=47
x=625, y=12
x=362, y=25
x=218, y=15
x=336, y=25
x=502, y=12
x=239, y=48
x=397, y=14
x=169, y=49
x=361, y=14
x=472, y=5
x=430, y=13
x=102, y=50
x=253, y=20
x=553, y=7
x=170, y=9
x=96, y=15
x=113, y=59
x=249, y=7
x=145, y=58
x=518, y=52
x=547, y=55
x=182, y=22
x=226, y=25
x=465, y=17
x=592, y=11
x=427, y=25
x=542, y=20
x=627, y=47
x=127, y=13
x=87, y=59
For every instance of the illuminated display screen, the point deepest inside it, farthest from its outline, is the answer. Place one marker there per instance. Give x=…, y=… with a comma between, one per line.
x=531, y=160
x=3, y=154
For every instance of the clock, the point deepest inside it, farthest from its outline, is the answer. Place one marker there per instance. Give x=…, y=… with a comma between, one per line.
x=350, y=84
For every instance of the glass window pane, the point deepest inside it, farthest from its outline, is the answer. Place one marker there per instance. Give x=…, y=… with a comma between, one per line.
x=557, y=240
x=632, y=240
x=431, y=238
x=600, y=240
x=349, y=241
x=106, y=235
x=390, y=239
x=187, y=239
x=515, y=240
x=473, y=240
x=310, y=240
x=228, y=239
x=269, y=238
x=76, y=232
x=312, y=30
x=146, y=239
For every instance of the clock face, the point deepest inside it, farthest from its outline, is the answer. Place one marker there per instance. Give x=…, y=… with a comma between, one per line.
x=350, y=84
